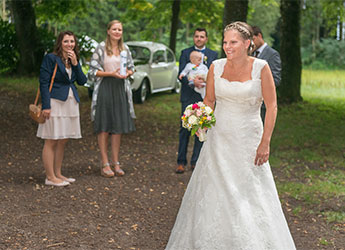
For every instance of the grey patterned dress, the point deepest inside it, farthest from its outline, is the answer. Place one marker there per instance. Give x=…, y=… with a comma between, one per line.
x=112, y=106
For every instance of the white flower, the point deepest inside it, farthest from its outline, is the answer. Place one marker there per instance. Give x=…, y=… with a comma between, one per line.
x=208, y=110
x=188, y=112
x=193, y=120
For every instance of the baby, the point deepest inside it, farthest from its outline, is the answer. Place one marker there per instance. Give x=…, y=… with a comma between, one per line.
x=195, y=69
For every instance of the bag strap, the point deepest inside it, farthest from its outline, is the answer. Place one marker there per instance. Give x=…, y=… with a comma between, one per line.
x=50, y=87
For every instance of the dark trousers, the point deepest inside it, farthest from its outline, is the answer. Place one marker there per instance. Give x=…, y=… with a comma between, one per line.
x=184, y=135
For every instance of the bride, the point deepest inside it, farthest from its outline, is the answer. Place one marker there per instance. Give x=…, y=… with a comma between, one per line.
x=231, y=202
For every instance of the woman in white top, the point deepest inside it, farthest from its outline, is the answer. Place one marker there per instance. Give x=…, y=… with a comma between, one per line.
x=112, y=107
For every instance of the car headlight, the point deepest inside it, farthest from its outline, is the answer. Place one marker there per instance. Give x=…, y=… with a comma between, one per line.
x=131, y=79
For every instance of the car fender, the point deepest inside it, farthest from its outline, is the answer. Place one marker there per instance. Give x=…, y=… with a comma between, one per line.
x=174, y=76
x=137, y=78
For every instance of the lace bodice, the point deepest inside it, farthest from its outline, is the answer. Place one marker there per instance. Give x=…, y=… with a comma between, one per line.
x=246, y=93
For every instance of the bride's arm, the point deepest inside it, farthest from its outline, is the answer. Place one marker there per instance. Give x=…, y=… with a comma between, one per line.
x=270, y=100
x=210, y=97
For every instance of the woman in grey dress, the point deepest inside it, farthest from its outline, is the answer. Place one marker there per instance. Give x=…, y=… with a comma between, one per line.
x=112, y=107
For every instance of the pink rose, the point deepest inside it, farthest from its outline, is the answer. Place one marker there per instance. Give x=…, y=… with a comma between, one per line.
x=209, y=118
x=198, y=112
x=195, y=106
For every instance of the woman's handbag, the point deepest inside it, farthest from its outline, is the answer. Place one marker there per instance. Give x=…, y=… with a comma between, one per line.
x=35, y=110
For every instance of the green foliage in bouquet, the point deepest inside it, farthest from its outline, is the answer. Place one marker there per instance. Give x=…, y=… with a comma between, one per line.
x=197, y=116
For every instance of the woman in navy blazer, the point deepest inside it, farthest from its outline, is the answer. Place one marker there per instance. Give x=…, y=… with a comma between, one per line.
x=60, y=107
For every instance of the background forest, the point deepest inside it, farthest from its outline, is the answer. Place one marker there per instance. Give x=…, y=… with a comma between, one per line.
x=305, y=32
x=322, y=25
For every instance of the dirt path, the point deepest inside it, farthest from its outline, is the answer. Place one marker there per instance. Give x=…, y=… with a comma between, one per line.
x=133, y=212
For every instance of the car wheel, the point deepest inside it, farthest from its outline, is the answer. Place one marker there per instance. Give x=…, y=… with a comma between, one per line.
x=141, y=94
x=177, y=88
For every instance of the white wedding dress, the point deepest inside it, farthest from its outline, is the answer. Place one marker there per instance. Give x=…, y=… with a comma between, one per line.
x=230, y=203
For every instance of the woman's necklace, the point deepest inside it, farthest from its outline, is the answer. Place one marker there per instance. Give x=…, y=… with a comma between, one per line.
x=65, y=62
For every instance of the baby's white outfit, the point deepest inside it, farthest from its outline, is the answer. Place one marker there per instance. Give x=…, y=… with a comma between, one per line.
x=192, y=71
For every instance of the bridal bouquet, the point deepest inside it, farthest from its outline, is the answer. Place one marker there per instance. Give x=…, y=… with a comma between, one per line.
x=197, y=117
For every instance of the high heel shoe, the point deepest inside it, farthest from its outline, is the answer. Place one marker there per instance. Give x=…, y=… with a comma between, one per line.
x=106, y=173
x=119, y=171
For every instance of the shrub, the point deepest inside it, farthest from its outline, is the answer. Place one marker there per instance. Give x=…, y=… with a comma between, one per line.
x=326, y=54
x=9, y=54
x=46, y=40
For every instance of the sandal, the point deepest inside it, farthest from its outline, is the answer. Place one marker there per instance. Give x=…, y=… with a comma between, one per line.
x=106, y=173
x=119, y=171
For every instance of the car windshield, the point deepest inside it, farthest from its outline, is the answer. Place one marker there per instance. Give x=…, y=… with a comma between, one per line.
x=140, y=55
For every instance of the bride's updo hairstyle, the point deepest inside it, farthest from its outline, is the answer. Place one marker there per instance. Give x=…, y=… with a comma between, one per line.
x=245, y=31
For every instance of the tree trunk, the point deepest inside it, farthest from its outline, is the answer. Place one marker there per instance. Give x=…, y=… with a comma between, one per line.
x=174, y=24
x=342, y=26
x=234, y=10
x=3, y=10
x=290, y=51
x=187, y=32
x=26, y=32
x=340, y=30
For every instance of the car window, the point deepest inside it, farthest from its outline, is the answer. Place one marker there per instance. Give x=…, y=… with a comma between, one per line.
x=170, y=56
x=158, y=56
x=140, y=54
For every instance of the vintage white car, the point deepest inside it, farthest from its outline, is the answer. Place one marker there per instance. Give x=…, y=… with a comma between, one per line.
x=155, y=69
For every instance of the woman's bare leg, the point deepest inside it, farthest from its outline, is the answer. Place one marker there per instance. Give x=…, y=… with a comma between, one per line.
x=59, y=153
x=103, y=147
x=48, y=155
x=115, y=147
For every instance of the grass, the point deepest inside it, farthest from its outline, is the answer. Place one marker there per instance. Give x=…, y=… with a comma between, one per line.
x=327, y=87
x=163, y=108
x=23, y=85
x=335, y=216
x=308, y=145
x=18, y=85
x=314, y=191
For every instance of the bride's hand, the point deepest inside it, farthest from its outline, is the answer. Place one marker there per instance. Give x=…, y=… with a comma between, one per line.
x=197, y=132
x=262, y=154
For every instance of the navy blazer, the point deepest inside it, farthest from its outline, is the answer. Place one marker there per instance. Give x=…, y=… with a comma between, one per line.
x=187, y=93
x=62, y=83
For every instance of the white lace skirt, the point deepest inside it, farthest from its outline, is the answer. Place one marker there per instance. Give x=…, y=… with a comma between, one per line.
x=64, y=121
